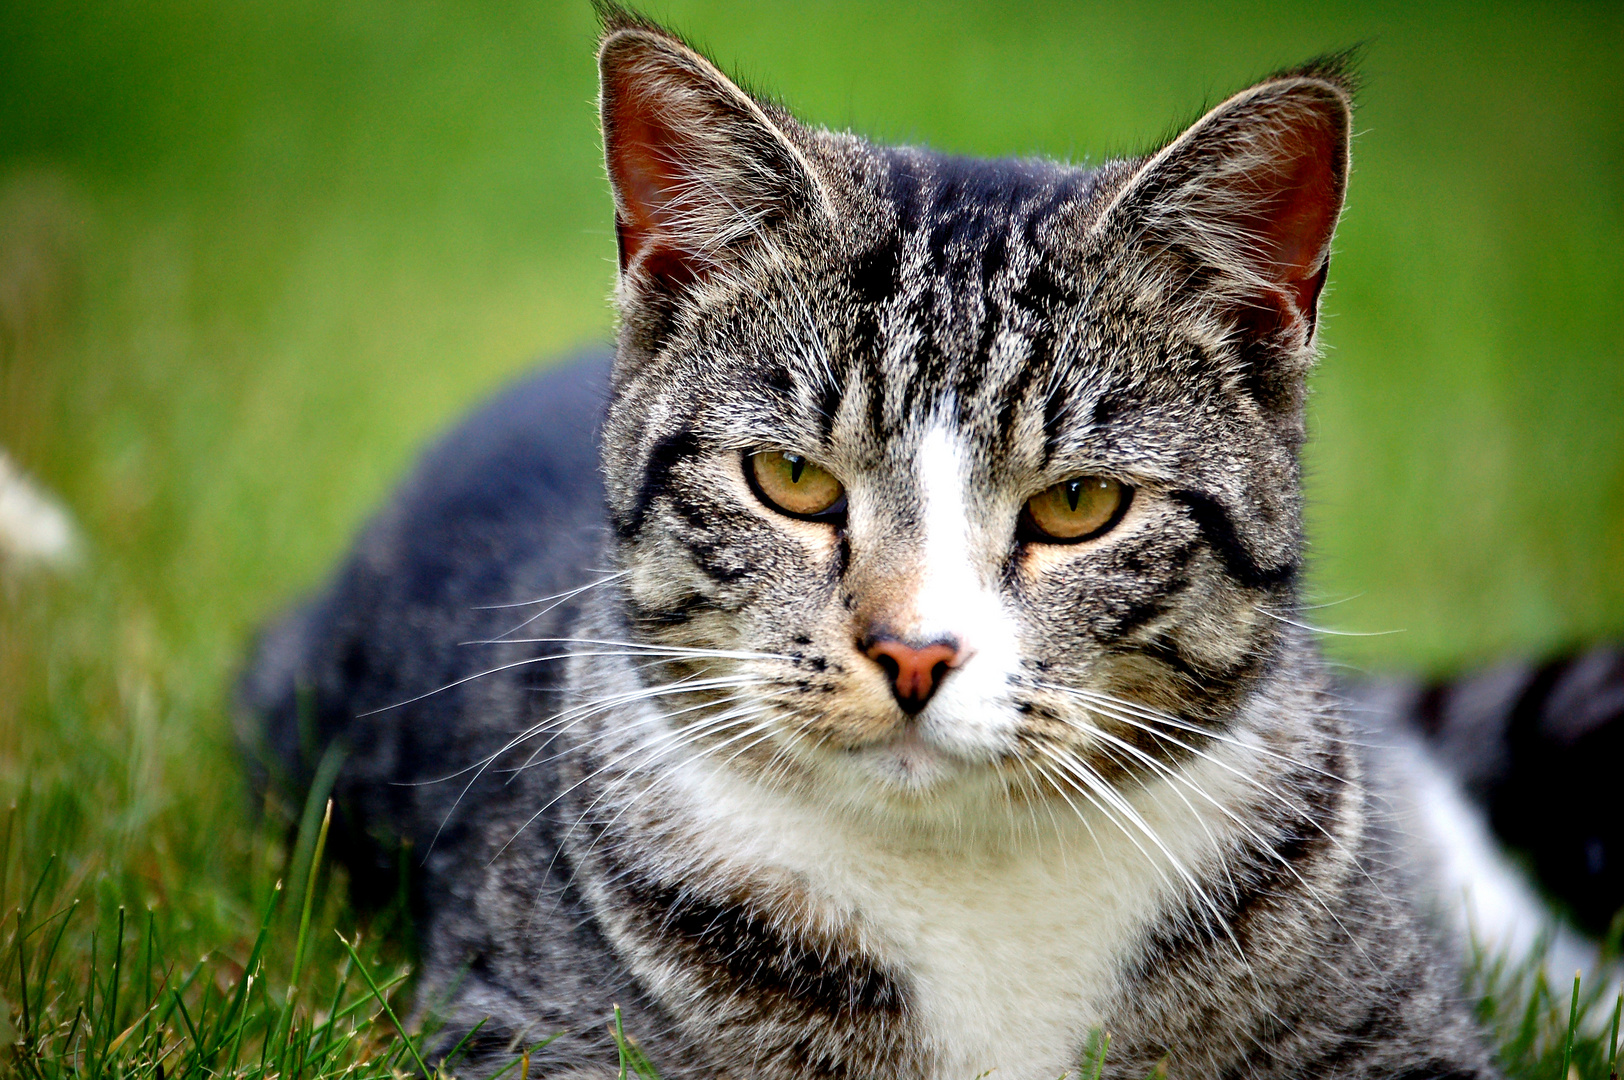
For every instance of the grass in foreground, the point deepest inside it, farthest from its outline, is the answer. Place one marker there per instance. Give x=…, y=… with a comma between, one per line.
x=91, y=988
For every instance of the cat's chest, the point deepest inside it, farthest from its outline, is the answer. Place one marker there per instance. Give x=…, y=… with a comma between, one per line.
x=1008, y=954
x=1008, y=961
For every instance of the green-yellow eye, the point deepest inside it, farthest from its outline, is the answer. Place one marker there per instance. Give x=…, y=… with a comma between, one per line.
x=1077, y=509
x=793, y=485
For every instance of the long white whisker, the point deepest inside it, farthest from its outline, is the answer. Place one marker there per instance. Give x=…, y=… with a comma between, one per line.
x=1158, y=717
x=1262, y=845
x=1093, y=781
x=685, y=685
x=551, y=603
x=1326, y=630
x=664, y=776
x=613, y=732
x=602, y=704
x=1118, y=710
x=682, y=736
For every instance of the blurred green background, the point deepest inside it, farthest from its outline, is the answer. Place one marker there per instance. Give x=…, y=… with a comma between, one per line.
x=253, y=254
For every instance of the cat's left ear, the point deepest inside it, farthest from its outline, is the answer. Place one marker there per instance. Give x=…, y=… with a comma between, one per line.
x=701, y=171
x=1241, y=207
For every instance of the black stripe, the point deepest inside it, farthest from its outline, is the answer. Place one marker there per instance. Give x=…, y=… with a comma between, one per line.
x=1015, y=390
x=831, y=392
x=1260, y=877
x=874, y=274
x=669, y=450
x=677, y=614
x=1043, y=292
x=1136, y=613
x=747, y=955
x=1218, y=529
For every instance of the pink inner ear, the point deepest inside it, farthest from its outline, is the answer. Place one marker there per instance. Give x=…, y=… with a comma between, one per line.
x=1298, y=194
x=643, y=152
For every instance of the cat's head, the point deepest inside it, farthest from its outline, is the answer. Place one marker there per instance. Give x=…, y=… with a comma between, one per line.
x=953, y=471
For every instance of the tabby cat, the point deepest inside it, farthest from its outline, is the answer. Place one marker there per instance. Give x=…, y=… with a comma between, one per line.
x=887, y=662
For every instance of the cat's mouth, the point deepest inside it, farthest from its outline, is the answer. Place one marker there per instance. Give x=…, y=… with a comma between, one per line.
x=908, y=758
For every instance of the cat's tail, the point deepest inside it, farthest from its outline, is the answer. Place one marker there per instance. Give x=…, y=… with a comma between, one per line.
x=1529, y=754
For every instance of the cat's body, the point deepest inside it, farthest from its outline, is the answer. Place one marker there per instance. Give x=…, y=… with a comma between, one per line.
x=1012, y=944
x=930, y=774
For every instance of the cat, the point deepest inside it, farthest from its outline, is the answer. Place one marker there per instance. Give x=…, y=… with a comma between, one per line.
x=885, y=661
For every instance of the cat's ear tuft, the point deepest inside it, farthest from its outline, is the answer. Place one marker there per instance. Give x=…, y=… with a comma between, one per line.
x=700, y=169
x=1243, y=204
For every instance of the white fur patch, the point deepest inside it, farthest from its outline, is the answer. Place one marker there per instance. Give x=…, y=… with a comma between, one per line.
x=1482, y=891
x=1010, y=941
x=958, y=598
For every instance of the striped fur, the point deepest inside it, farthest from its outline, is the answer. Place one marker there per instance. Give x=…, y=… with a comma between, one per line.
x=680, y=785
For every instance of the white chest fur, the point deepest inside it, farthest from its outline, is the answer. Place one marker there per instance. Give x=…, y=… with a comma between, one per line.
x=1010, y=948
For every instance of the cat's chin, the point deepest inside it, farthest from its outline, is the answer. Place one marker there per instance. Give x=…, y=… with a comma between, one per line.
x=913, y=769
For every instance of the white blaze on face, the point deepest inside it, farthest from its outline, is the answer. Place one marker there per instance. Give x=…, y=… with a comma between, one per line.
x=958, y=598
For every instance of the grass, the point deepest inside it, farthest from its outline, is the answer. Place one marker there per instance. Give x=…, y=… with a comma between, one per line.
x=252, y=255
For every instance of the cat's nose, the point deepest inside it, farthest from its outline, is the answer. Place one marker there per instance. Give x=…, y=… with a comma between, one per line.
x=915, y=671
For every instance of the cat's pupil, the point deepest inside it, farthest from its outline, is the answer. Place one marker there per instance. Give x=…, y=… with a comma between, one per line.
x=797, y=465
x=1074, y=492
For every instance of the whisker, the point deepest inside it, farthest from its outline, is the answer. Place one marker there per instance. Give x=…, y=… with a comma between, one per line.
x=664, y=776
x=601, y=705
x=1262, y=845
x=607, y=575
x=683, y=736
x=1118, y=710
x=1159, y=717
x=679, y=685
x=1092, y=781
x=1326, y=630
x=638, y=648
x=553, y=602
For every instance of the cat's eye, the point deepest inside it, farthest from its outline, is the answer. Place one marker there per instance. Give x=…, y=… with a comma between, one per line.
x=792, y=485
x=1077, y=509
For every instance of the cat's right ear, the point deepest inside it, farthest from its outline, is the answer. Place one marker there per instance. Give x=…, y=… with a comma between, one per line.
x=700, y=170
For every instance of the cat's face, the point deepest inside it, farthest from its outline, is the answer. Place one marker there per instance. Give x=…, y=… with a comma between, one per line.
x=956, y=473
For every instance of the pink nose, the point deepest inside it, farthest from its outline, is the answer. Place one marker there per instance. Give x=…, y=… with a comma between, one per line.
x=915, y=672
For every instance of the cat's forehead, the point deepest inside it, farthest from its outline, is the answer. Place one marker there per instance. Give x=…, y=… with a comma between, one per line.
x=965, y=295
x=956, y=293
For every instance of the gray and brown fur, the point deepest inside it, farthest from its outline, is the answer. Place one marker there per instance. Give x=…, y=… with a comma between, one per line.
x=795, y=289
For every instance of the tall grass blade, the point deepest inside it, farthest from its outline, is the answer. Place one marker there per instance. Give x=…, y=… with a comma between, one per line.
x=620, y=1043
x=1573, y=1027
x=22, y=979
x=309, y=898
x=111, y=997
x=383, y=1001
x=1612, y=1043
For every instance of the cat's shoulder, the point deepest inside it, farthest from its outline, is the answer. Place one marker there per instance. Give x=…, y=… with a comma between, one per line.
x=529, y=454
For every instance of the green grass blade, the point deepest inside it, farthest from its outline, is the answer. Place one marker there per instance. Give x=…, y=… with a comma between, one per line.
x=309, y=897
x=146, y=978
x=321, y=789
x=388, y=1010
x=111, y=997
x=1573, y=1027
x=620, y=1044
x=1612, y=1043
x=22, y=978
x=50, y=954
x=39, y=884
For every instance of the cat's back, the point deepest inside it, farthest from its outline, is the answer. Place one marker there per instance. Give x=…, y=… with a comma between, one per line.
x=397, y=658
